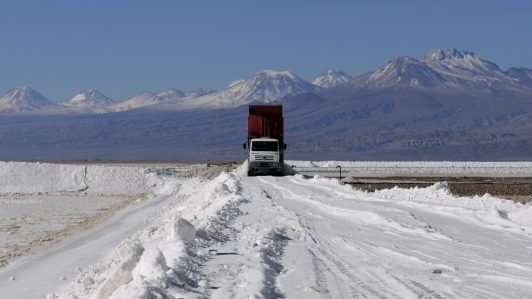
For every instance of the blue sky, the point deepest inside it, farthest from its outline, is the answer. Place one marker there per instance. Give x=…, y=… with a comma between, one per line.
x=124, y=47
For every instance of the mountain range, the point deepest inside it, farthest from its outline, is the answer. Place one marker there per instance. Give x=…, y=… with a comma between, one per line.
x=444, y=105
x=264, y=86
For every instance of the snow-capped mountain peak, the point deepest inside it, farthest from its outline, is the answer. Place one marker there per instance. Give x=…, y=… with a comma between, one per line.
x=89, y=97
x=268, y=80
x=89, y=100
x=464, y=62
x=276, y=74
x=331, y=78
x=265, y=86
x=24, y=99
x=25, y=94
x=449, y=68
x=405, y=71
x=451, y=53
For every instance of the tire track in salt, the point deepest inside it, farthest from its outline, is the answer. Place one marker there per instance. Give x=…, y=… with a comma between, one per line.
x=474, y=265
x=341, y=280
x=341, y=276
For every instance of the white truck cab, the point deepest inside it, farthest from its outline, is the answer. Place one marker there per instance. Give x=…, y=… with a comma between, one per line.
x=264, y=156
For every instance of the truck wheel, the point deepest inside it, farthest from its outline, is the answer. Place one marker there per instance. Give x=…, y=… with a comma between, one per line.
x=250, y=173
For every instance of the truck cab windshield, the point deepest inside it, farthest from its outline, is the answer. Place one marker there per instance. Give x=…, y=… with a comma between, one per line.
x=264, y=146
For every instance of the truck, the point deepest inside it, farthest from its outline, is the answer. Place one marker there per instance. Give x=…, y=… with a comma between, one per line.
x=265, y=140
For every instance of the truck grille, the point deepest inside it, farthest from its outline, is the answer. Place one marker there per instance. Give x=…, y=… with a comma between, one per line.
x=264, y=158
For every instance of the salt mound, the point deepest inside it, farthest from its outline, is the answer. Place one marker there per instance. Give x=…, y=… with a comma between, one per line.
x=183, y=230
x=348, y=179
x=121, y=275
x=443, y=186
x=22, y=177
x=152, y=266
x=41, y=177
x=242, y=170
x=116, y=179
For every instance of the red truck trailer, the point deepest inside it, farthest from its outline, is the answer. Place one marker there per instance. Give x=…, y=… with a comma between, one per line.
x=265, y=140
